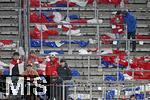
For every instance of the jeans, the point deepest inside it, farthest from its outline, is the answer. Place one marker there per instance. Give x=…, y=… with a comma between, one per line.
x=118, y=36
x=132, y=35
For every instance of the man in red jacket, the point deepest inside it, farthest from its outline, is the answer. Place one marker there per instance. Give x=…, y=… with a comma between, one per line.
x=51, y=66
x=51, y=76
x=117, y=23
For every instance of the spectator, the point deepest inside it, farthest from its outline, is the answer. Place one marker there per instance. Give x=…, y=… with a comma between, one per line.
x=130, y=20
x=51, y=76
x=132, y=97
x=34, y=59
x=117, y=27
x=16, y=66
x=64, y=73
x=30, y=72
x=122, y=96
x=52, y=65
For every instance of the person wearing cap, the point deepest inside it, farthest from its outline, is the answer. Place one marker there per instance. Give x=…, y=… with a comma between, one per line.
x=131, y=23
x=51, y=76
x=52, y=65
x=117, y=27
x=64, y=73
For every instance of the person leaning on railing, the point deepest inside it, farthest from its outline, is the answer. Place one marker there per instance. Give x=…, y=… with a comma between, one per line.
x=131, y=23
x=51, y=76
x=64, y=73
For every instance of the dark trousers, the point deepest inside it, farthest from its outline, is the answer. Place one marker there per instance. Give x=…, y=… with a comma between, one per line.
x=32, y=96
x=51, y=88
x=55, y=90
x=61, y=92
x=132, y=35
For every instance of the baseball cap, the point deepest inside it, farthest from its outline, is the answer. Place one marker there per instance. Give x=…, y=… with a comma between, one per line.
x=53, y=54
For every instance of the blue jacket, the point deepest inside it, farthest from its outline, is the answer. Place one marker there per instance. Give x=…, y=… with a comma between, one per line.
x=130, y=20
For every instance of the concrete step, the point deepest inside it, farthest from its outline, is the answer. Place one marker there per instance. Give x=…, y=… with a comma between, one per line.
x=8, y=29
x=7, y=4
x=9, y=21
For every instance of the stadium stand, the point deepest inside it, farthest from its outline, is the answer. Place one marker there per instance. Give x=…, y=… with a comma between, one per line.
x=80, y=32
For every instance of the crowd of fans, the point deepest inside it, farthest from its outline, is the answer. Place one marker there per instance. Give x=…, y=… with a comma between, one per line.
x=56, y=71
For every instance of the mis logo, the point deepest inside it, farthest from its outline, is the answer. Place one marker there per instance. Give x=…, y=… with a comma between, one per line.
x=20, y=85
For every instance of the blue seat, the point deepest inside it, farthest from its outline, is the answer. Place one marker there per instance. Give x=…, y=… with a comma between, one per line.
x=6, y=71
x=110, y=94
x=57, y=51
x=75, y=72
x=35, y=43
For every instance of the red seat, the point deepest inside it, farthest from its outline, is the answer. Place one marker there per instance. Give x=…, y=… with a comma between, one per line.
x=81, y=20
x=115, y=2
x=106, y=39
x=103, y=1
x=36, y=34
x=6, y=42
x=43, y=19
x=34, y=3
x=34, y=18
x=90, y=1
x=66, y=28
x=142, y=36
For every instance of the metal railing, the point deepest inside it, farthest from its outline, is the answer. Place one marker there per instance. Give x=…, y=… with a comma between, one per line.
x=77, y=88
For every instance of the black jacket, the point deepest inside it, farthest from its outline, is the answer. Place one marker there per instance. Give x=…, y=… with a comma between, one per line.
x=64, y=73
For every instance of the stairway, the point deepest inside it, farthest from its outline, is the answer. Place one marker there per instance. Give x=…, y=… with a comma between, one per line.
x=9, y=27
